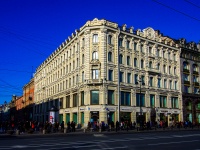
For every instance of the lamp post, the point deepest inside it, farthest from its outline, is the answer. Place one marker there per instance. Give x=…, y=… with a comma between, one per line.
x=141, y=118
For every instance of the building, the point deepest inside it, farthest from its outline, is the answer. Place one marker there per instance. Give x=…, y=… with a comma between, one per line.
x=28, y=100
x=106, y=72
x=190, y=62
x=19, y=108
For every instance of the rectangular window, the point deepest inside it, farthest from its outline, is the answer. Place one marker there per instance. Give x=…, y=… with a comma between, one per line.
x=151, y=81
x=75, y=100
x=186, y=89
x=135, y=46
x=136, y=78
x=170, y=84
x=109, y=39
x=152, y=100
x=128, y=44
x=174, y=102
x=175, y=85
x=121, y=77
x=125, y=98
x=186, y=77
x=196, y=90
x=110, y=75
x=94, y=98
x=120, y=42
x=61, y=103
x=165, y=83
x=163, y=101
x=129, y=77
x=140, y=100
x=159, y=83
x=95, y=38
x=95, y=74
x=141, y=48
x=111, y=97
x=128, y=60
x=82, y=98
x=67, y=101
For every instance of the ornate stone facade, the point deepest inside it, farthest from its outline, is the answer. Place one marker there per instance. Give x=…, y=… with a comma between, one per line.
x=190, y=62
x=102, y=63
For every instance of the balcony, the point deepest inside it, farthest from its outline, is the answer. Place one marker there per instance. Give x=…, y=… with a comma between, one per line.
x=186, y=71
x=196, y=72
x=187, y=82
x=153, y=71
x=151, y=55
x=94, y=81
x=196, y=83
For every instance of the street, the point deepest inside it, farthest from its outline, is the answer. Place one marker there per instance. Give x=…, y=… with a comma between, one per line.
x=179, y=140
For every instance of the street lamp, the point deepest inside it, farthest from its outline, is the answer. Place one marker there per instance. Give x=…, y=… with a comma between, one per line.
x=141, y=117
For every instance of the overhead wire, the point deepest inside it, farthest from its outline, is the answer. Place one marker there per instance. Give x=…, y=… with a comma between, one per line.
x=192, y=3
x=176, y=10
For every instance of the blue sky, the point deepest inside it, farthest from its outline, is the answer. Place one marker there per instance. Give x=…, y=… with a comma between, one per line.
x=30, y=30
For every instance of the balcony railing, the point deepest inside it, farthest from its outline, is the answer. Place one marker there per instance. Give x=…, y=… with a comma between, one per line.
x=196, y=83
x=153, y=71
x=94, y=81
x=195, y=72
x=186, y=71
x=186, y=82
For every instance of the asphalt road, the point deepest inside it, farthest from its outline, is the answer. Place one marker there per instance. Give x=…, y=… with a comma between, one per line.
x=182, y=140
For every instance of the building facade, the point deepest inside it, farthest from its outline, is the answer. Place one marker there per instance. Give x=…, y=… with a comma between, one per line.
x=28, y=100
x=190, y=62
x=106, y=72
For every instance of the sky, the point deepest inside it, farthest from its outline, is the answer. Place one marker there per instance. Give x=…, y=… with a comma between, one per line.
x=30, y=30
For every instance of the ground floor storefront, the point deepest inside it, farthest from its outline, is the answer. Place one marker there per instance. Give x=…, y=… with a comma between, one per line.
x=107, y=114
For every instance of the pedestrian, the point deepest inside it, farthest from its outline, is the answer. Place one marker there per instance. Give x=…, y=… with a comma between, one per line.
x=117, y=125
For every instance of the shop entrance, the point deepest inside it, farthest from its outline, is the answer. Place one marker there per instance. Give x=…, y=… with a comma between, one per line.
x=125, y=116
x=94, y=116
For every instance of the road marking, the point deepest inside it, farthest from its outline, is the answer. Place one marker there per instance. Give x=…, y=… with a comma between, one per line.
x=98, y=135
x=173, y=142
x=113, y=148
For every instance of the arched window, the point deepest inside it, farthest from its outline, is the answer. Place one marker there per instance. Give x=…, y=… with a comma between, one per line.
x=83, y=42
x=109, y=56
x=164, y=68
x=135, y=62
x=83, y=59
x=120, y=59
x=83, y=76
x=169, y=69
x=95, y=55
x=174, y=70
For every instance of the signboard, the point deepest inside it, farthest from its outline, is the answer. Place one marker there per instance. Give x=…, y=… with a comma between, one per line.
x=52, y=117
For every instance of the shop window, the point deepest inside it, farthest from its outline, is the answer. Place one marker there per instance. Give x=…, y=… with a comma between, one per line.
x=94, y=97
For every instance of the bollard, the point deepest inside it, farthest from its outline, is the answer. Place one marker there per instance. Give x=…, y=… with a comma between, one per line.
x=44, y=131
x=84, y=130
x=99, y=129
x=17, y=132
x=65, y=130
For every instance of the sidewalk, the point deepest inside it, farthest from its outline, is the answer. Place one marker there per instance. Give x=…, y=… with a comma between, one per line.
x=81, y=132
